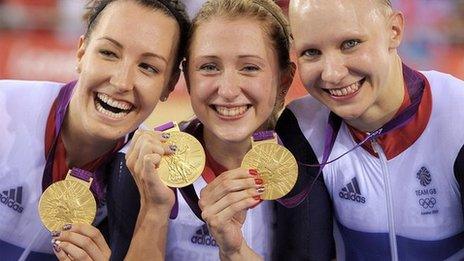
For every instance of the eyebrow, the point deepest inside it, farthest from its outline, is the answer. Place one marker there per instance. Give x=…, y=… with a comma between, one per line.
x=119, y=45
x=250, y=56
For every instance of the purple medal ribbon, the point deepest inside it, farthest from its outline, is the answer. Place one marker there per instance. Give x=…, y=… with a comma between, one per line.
x=97, y=186
x=175, y=208
x=415, y=84
x=81, y=174
x=263, y=135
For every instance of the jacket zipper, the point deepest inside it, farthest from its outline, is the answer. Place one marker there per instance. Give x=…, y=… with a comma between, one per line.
x=389, y=200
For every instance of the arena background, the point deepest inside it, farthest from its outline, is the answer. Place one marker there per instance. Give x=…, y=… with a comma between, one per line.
x=38, y=39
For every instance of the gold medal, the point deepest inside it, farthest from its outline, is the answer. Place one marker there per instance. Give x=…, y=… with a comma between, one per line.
x=186, y=164
x=67, y=202
x=276, y=166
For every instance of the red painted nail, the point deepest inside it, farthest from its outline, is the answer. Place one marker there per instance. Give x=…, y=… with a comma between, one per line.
x=257, y=197
x=258, y=181
x=253, y=172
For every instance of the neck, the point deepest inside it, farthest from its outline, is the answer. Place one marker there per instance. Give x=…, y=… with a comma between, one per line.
x=81, y=147
x=388, y=103
x=228, y=154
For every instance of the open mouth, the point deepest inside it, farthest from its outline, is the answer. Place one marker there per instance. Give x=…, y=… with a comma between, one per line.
x=231, y=111
x=111, y=107
x=347, y=90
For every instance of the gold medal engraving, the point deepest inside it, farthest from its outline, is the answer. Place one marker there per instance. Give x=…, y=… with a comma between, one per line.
x=66, y=202
x=186, y=164
x=276, y=166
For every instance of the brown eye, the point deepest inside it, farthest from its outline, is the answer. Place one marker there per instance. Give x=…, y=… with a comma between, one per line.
x=107, y=53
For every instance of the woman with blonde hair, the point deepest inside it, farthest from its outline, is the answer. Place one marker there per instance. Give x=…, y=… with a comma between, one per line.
x=237, y=71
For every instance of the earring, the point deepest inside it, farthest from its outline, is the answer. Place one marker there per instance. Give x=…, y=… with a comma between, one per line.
x=163, y=98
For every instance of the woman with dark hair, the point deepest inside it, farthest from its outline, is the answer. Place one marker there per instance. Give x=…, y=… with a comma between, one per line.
x=127, y=60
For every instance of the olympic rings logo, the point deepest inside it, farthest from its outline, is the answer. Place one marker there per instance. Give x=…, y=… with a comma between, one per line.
x=427, y=202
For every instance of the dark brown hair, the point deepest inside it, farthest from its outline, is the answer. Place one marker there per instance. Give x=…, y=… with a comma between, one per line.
x=172, y=8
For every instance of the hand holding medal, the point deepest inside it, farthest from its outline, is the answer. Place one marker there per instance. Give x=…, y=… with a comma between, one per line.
x=275, y=164
x=186, y=164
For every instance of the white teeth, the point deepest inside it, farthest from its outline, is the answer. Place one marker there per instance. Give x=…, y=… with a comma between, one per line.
x=345, y=90
x=231, y=112
x=117, y=104
x=110, y=113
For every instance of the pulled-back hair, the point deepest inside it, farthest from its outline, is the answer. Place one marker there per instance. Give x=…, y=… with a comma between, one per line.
x=172, y=8
x=273, y=21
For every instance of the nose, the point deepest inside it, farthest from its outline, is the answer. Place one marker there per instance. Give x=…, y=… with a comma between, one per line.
x=229, y=86
x=334, y=69
x=123, y=77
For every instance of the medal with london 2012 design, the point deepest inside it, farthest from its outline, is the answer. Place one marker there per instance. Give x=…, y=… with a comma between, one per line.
x=186, y=164
x=68, y=201
x=275, y=164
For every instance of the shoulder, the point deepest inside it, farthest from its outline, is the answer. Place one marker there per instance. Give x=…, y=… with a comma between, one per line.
x=21, y=94
x=439, y=80
x=307, y=112
x=303, y=120
x=20, y=86
x=27, y=100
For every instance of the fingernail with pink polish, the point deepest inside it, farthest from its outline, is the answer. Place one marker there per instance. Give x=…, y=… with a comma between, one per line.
x=56, y=247
x=258, y=181
x=173, y=147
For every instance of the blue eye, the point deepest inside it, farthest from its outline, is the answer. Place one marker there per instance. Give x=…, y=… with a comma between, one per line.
x=149, y=68
x=350, y=44
x=250, y=68
x=209, y=67
x=311, y=53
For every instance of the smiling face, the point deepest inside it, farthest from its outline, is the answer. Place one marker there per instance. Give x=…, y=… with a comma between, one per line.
x=233, y=77
x=347, y=55
x=125, y=67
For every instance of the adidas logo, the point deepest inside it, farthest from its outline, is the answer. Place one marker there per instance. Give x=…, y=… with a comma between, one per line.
x=13, y=199
x=202, y=237
x=352, y=192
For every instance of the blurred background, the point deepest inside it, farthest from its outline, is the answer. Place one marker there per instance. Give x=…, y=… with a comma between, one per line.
x=38, y=39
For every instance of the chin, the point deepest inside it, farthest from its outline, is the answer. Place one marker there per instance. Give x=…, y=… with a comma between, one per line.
x=234, y=136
